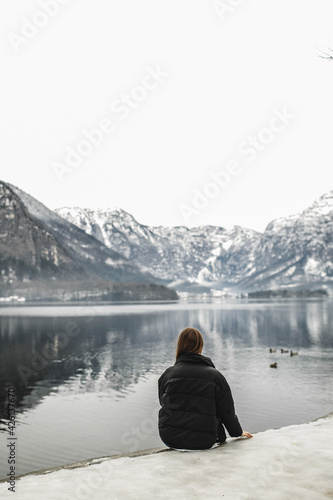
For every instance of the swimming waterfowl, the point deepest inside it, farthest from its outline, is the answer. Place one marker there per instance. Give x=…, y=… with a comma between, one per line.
x=284, y=350
x=273, y=365
x=272, y=350
x=293, y=353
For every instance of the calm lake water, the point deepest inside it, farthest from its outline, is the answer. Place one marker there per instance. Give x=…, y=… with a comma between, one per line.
x=85, y=377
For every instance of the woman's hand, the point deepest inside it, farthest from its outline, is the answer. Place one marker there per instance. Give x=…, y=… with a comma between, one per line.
x=247, y=434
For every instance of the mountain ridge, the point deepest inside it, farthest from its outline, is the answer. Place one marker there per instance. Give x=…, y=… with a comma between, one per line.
x=106, y=246
x=296, y=250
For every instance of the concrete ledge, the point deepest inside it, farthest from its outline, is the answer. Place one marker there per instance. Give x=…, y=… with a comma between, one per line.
x=91, y=461
x=278, y=464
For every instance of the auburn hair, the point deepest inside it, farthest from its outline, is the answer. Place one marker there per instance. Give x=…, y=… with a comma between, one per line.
x=189, y=341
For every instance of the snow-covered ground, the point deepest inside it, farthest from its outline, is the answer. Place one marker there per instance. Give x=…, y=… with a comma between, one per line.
x=293, y=462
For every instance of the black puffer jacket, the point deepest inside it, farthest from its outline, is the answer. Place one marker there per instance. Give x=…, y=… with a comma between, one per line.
x=195, y=399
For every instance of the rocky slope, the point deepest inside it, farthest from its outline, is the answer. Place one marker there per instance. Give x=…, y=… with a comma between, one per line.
x=36, y=245
x=296, y=250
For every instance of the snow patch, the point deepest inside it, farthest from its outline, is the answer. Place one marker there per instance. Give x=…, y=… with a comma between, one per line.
x=227, y=244
x=290, y=271
x=109, y=262
x=311, y=266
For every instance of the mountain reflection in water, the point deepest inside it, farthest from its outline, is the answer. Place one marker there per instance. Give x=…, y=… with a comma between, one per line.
x=115, y=351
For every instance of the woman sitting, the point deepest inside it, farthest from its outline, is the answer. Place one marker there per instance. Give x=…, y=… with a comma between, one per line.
x=196, y=399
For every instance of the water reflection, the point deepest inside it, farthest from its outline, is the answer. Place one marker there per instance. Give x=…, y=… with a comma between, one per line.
x=113, y=352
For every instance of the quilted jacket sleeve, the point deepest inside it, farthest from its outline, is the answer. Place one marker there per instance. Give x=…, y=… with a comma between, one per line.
x=225, y=408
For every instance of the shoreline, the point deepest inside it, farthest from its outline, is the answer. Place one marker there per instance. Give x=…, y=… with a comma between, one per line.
x=95, y=309
x=133, y=454
x=285, y=463
x=91, y=461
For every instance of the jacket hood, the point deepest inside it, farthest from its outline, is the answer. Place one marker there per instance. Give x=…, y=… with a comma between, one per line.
x=194, y=359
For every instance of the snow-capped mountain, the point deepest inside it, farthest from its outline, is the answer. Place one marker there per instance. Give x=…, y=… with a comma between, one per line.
x=296, y=250
x=292, y=251
x=199, y=256
x=109, y=246
x=37, y=245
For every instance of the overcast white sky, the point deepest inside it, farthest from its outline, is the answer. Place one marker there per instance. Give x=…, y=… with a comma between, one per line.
x=228, y=74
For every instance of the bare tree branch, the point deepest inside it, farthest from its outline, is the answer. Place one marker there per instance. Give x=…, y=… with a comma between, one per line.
x=326, y=55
